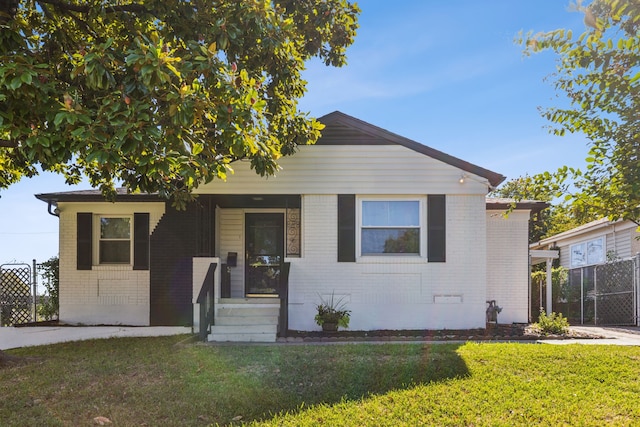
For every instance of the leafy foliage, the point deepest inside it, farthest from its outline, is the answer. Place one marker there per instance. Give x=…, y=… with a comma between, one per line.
x=333, y=311
x=599, y=71
x=553, y=323
x=406, y=243
x=50, y=273
x=559, y=279
x=560, y=289
x=560, y=216
x=162, y=95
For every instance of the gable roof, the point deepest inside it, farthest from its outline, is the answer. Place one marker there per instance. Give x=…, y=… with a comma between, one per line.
x=342, y=129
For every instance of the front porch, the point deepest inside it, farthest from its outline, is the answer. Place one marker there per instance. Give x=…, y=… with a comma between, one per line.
x=219, y=318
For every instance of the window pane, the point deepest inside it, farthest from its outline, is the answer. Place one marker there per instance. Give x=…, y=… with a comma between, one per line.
x=115, y=251
x=114, y=228
x=390, y=241
x=391, y=213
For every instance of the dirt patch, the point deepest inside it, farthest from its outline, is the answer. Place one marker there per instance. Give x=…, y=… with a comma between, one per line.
x=9, y=360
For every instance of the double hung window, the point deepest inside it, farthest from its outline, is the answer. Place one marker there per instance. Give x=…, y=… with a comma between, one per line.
x=114, y=245
x=390, y=227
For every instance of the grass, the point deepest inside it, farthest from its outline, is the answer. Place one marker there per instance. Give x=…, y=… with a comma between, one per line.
x=167, y=381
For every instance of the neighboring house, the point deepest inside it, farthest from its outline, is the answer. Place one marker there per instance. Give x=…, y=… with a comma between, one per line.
x=404, y=233
x=602, y=257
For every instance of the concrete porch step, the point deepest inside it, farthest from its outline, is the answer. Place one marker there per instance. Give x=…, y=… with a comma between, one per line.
x=242, y=337
x=249, y=301
x=246, y=320
x=233, y=311
x=241, y=329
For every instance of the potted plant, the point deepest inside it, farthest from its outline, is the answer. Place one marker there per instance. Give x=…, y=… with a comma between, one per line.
x=332, y=313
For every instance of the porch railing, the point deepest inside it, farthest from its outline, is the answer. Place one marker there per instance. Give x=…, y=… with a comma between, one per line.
x=283, y=324
x=206, y=300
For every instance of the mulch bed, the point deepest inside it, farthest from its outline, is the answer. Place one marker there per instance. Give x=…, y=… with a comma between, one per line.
x=513, y=332
x=493, y=332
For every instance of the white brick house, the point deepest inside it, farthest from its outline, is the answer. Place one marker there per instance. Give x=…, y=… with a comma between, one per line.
x=404, y=233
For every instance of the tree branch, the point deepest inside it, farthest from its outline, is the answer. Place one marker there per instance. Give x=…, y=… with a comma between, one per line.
x=8, y=143
x=8, y=9
x=132, y=7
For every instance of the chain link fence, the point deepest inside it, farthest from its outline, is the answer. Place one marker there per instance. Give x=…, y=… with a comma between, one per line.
x=615, y=293
x=605, y=294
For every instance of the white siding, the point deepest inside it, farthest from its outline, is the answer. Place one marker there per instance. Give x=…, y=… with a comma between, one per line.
x=351, y=169
x=106, y=294
x=620, y=243
x=619, y=238
x=507, y=264
x=635, y=242
x=387, y=292
x=231, y=239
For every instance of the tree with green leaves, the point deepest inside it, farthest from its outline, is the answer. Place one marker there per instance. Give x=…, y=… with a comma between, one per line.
x=50, y=273
x=599, y=71
x=162, y=95
x=558, y=217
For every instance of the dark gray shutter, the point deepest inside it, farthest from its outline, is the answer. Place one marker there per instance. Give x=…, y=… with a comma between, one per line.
x=436, y=228
x=84, y=241
x=140, y=241
x=346, y=228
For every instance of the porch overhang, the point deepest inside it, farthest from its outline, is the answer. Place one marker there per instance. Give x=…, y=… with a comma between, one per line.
x=255, y=201
x=538, y=256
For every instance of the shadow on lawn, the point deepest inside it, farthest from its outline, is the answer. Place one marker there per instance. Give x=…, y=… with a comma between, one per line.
x=288, y=378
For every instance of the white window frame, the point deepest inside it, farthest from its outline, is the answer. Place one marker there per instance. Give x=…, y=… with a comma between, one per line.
x=97, y=239
x=393, y=256
x=583, y=256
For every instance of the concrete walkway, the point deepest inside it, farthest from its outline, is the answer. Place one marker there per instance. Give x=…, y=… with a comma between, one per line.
x=618, y=335
x=27, y=336
x=11, y=337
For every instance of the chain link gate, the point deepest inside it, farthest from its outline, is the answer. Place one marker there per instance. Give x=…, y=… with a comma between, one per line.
x=615, y=293
x=16, y=298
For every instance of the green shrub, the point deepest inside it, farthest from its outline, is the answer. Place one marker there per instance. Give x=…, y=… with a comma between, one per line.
x=49, y=271
x=554, y=324
x=333, y=311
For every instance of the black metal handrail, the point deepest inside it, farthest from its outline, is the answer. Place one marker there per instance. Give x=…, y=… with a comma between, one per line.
x=283, y=324
x=206, y=299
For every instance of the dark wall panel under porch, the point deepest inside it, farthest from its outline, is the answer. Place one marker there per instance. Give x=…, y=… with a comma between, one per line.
x=172, y=244
x=178, y=237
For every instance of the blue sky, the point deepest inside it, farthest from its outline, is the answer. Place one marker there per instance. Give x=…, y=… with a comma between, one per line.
x=445, y=73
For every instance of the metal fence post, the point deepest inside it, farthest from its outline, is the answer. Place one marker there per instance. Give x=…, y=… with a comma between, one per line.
x=636, y=285
x=35, y=292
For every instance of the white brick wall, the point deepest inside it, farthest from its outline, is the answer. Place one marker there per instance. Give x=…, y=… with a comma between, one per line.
x=508, y=265
x=388, y=292
x=106, y=294
x=382, y=292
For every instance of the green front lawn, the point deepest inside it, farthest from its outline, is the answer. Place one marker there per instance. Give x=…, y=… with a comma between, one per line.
x=168, y=381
